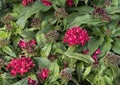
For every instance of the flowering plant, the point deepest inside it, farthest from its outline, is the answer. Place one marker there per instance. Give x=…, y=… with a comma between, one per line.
x=59, y=42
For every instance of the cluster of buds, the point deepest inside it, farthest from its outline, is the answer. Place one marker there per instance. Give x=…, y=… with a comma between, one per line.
x=7, y=21
x=35, y=22
x=112, y=58
x=60, y=13
x=76, y=36
x=66, y=74
x=20, y=65
x=27, y=2
x=46, y=2
x=100, y=12
x=29, y=47
x=52, y=36
x=43, y=74
x=70, y=3
x=32, y=82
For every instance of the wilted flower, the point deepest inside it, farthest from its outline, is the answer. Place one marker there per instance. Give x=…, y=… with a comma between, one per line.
x=76, y=36
x=32, y=82
x=20, y=65
x=43, y=74
x=46, y=2
x=70, y=2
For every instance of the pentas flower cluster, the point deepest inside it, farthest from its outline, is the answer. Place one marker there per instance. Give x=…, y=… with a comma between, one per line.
x=26, y=2
x=46, y=2
x=29, y=46
x=20, y=65
x=32, y=82
x=76, y=36
x=70, y=3
x=43, y=74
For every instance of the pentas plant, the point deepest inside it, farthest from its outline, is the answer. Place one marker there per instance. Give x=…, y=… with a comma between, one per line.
x=59, y=42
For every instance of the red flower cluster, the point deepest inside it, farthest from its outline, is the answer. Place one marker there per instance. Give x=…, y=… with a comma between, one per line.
x=43, y=74
x=70, y=3
x=95, y=56
x=76, y=36
x=20, y=65
x=46, y=2
x=28, y=46
x=26, y=2
x=32, y=82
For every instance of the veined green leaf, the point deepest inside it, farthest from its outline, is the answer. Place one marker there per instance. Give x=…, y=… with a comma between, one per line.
x=87, y=71
x=116, y=46
x=45, y=51
x=85, y=58
x=42, y=62
x=9, y=51
x=54, y=68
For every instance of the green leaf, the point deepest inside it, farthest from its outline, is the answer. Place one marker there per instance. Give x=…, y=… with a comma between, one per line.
x=116, y=33
x=9, y=51
x=116, y=46
x=113, y=10
x=45, y=51
x=80, y=69
x=93, y=44
x=105, y=47
x=85, y=58
x=22, y=82
x=87, y=71
x=41, y=39
x=81, y=20
x=108, y=80
x=27, y=34
x=54, y=69
x=42, y=62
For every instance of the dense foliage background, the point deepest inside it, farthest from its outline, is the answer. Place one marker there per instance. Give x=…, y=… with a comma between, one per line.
x=60, y=42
